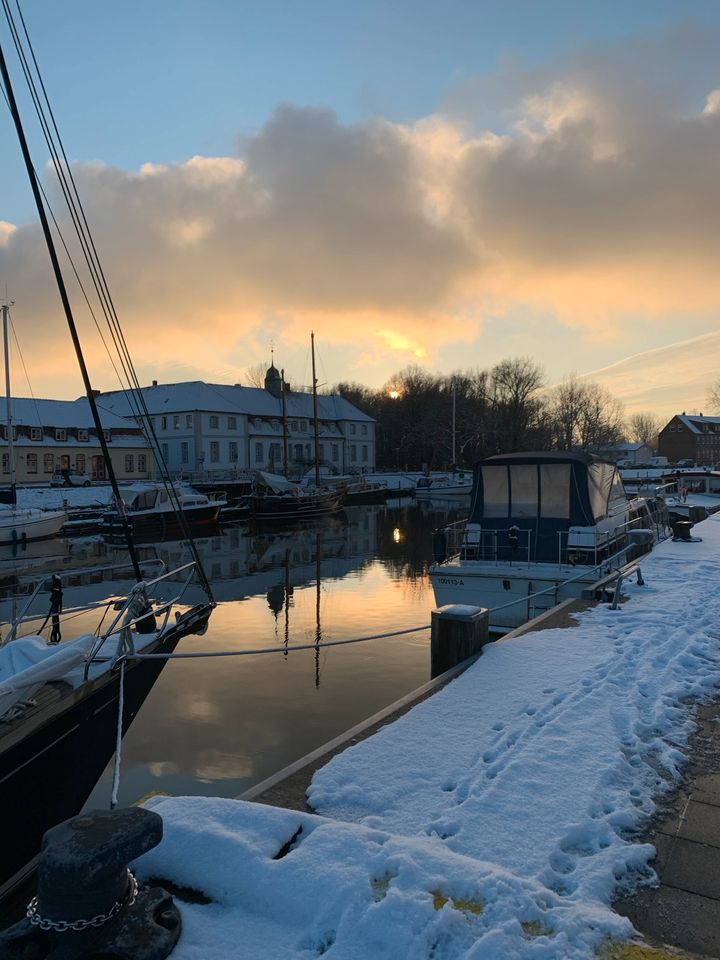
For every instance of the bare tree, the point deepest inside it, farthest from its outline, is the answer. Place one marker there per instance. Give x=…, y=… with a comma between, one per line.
x=713, y=396
x=584, y=415
x=255, y=375
x=644, y=428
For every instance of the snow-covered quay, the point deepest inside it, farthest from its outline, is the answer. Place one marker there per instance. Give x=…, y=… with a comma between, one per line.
x=495, y=820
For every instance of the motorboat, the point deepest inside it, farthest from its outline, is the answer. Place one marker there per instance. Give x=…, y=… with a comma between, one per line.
x=153, y=507
x=543, y=527
x=275, y=498
x=446, y=487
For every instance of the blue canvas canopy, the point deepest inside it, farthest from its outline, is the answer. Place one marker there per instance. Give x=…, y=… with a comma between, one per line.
x=542, y=495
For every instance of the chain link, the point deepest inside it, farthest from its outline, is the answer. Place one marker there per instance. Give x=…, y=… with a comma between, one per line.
x=77, y=926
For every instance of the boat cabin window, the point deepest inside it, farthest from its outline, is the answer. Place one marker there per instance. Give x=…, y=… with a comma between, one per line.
x=163, y=497
x=555, y=490
x=524, y=491
x=145, y=500
x=496, y=493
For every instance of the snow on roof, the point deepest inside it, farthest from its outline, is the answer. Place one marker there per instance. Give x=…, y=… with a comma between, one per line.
x=223, y=398
x=496, y=818
x=695, y=423
x=60, y=413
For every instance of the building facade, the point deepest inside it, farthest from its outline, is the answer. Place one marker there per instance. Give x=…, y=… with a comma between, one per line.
x=691, y=437
x=222, y=430
x=54, y=435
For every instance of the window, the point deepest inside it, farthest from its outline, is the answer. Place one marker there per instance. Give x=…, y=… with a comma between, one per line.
x=335, y=453
x=293, y=425
x=142, y=463
x=232, y=423
x=64, y=462
x=275, y=452
x=176, y=422
x=352, y=428
x=364, y=453
x=298, y=451
x=163, y=423
x=233, y=451
x=31, y=463
x=188, y=419
x=48, y=462
x=129, y=463
x=36, y=433
x=5, y=463
x=108, y=436
x=164, y=451
x=258, y=452
x=363, y=429
x=61, y=435
x=214, y=422
x=5, y=429
x=80, y=462
x=214, y=451
x=496, y=492
x=303, y=426
x=184, y=453
x=353, y=453
x=524, y=490
x=82, y=435
x=321, y=451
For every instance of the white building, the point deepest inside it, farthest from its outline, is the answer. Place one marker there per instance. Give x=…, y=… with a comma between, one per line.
x=218, y=429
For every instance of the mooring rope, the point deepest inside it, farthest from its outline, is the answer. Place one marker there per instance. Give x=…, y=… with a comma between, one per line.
x=118, y=739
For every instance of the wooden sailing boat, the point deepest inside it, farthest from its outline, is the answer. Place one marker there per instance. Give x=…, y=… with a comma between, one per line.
x=59, y=703
x=20, y=524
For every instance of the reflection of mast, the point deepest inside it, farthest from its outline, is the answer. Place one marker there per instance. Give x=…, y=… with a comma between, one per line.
x=284, y=423
x=318, y=629
x=315, y=412
x=288, y=590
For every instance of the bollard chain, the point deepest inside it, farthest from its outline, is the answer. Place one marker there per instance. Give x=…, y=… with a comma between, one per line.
x=77, y=926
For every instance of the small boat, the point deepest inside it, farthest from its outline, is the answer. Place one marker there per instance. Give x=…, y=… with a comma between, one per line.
x=148, y=507
x=445, y=487
x=543, y=528
x=275, y=498
x=19, y=524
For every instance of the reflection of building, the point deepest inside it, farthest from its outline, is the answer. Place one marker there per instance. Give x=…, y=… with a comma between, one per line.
x=215, y=428
x=51, y=435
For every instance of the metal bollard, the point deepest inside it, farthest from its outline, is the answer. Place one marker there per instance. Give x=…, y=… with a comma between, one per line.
x=88, y=903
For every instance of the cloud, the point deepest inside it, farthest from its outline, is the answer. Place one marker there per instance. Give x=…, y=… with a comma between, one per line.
x=586, y=190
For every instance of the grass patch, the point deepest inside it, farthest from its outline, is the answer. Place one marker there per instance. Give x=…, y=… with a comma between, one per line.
x=471, y=907
x=615, y=950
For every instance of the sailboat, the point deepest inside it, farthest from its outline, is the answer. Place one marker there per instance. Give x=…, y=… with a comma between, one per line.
x=63, y=701
x=19, y=524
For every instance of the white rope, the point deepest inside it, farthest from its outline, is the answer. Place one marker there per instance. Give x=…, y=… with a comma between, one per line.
x=118, y=739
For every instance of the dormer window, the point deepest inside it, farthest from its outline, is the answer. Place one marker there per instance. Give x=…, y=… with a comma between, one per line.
x=107, y=435
x=61, y=435
x=82, y=436
x=36, y=433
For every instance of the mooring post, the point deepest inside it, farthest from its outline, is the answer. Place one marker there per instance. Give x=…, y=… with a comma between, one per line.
x=458, y=631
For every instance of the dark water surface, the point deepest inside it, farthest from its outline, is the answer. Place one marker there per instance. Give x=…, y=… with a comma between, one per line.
x=218, y=726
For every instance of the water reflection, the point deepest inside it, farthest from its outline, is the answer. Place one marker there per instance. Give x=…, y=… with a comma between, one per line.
x=217, y=726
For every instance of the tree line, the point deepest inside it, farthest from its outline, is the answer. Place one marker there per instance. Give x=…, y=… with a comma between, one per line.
x=505, y=409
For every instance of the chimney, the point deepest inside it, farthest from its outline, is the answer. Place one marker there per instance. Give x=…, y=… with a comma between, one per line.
x=154, y=383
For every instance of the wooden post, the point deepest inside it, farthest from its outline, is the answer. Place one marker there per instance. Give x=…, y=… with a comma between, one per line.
x=458, y=631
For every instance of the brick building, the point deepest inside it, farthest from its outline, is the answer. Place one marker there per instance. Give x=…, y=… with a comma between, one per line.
x=691, y=437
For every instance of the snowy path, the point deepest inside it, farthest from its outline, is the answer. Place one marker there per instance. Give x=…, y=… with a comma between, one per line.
x=496, y=818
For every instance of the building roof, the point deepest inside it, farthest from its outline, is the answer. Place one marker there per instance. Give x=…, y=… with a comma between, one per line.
x=196, y=395
x=695, y=423
x=61, y=413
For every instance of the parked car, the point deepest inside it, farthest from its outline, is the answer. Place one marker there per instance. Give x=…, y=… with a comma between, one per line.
x=69, y=478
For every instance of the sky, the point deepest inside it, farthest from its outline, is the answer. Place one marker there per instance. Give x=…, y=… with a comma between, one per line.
x=500, y=817
x=442, y=184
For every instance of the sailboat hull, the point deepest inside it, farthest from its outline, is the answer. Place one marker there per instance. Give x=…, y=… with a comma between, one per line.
x=17, y=526
x=48, y=772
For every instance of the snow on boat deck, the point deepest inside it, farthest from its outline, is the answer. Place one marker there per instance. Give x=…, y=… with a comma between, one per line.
x=496, y=819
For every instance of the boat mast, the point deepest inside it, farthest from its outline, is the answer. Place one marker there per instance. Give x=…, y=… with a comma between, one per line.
x=67, y=308
x=315, y=411
x=9, y=409
x=284, y=423
x=453, y=426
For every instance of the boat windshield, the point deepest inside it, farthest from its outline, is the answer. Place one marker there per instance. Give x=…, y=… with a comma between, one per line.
x=139, y=500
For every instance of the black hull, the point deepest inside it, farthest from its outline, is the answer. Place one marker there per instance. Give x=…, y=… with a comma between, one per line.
x=161, y=521
x=47, y=776
x=267, y=509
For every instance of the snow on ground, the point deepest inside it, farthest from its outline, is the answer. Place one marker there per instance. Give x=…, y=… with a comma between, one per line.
x=51, y=498
x=494, y=820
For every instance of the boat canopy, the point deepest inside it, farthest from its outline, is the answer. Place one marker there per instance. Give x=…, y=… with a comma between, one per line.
x=543, y=493
x=272, y=483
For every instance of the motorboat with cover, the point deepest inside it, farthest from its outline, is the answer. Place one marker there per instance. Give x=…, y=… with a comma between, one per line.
x=449, y=487
x=72, y=677
x=276, y=498
x=543, y=528
x=151, y=507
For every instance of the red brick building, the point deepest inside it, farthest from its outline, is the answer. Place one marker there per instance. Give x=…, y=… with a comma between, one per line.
x=691, y=437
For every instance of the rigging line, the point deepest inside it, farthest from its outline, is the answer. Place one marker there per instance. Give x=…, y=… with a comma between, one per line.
x=90, y=252
x=22, y=361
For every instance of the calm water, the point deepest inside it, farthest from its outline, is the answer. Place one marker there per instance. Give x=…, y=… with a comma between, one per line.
x=218, y=726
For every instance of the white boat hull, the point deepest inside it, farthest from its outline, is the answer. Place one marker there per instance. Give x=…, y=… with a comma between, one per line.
x=510, y=593
x=17, y=526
